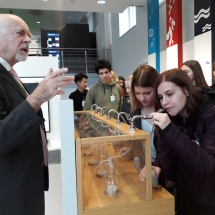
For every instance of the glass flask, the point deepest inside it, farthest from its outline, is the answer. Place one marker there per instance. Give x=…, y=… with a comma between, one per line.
x=109, y=181
x=94, y=160
x=112, y=180
x=102, y=155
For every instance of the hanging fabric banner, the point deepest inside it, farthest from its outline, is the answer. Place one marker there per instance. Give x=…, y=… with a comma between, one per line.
x=203, y=46
x=202, y=18
x=174, y=33
x=153, y=34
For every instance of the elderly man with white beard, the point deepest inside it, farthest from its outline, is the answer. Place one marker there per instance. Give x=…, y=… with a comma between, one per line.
x=23, y=148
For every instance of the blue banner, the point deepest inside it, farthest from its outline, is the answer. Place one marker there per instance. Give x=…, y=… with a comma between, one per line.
x=154, y=30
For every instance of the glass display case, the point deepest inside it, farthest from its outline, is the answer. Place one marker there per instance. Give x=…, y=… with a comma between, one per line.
x=108, y=161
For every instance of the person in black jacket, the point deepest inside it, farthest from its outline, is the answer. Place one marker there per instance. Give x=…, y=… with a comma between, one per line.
x=80, y=94
x=186, y=143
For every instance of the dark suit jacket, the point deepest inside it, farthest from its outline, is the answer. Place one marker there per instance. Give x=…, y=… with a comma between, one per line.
x=21, y=155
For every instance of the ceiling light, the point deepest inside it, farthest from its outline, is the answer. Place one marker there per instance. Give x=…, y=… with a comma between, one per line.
x=101, y=2
x=38, y=22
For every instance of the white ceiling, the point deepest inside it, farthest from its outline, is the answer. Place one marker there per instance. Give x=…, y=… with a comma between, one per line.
x=54, y=14
x=113, y=6
x=49, y=19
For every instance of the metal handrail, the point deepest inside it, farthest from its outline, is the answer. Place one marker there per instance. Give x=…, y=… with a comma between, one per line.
x=76, y=59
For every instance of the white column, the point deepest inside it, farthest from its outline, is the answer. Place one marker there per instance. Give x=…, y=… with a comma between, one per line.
x=68, y=157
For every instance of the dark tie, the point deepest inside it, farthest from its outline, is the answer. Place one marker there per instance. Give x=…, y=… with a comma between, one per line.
x=15, y=75
x=45, y=149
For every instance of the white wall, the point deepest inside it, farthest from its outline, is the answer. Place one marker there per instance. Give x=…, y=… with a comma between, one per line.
x=163, y=61
x=162, y=22
x=132, y=48
x=53, y=198
x=108, y=31
x=188, y=50
x=36, y=66
x=187, y=20
x=188, y=29
x=203, y=53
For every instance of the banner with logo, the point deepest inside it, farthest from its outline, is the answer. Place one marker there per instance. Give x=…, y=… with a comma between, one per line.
x=202, y=16
x=203, y=45
x=153, y=34
x=174, y=33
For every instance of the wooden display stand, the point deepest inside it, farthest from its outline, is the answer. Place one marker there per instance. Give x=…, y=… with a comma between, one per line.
x=134, y=196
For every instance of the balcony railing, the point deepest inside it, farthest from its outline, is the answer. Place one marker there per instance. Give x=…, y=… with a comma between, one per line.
x=75, y=59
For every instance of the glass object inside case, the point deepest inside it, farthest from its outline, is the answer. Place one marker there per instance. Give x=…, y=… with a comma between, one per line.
x=109, y=160
x=89, y=126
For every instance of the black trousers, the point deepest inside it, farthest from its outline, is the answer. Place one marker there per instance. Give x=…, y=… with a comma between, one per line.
x=185, y=206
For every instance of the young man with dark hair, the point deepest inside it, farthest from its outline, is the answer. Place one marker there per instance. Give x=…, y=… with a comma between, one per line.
x=101, y=64
x=105, y=92
x=80, y=94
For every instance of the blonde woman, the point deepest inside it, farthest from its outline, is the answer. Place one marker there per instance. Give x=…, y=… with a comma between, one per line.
x=114, y=77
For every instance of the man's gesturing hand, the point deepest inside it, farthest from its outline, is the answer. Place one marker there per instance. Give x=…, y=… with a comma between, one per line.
x=49, y=87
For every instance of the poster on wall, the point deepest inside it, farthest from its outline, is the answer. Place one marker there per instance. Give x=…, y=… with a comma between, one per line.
x=31, y=84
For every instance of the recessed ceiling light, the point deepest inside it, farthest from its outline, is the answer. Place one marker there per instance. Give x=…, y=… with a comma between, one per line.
x=44, y=0
x=38, y=22
x=101, y=2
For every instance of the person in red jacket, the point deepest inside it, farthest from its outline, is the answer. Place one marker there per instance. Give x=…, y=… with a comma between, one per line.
x=186, y=143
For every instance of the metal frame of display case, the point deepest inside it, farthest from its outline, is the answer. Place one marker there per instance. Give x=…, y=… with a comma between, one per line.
x=155, y=202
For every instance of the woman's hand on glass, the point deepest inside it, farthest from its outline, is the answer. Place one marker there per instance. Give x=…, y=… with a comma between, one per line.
x=142, y=174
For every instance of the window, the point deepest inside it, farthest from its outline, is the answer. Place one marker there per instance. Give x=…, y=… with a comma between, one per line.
x=127, y=20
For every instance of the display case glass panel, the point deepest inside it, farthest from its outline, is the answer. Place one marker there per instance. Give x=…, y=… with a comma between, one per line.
x=109, y=160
